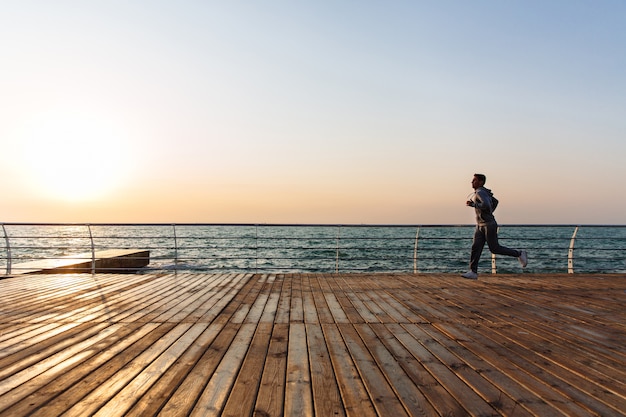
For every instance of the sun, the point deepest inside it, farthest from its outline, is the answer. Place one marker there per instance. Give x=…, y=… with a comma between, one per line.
x=73, y=155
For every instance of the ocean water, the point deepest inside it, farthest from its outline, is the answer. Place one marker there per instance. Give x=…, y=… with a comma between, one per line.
x=321, y=248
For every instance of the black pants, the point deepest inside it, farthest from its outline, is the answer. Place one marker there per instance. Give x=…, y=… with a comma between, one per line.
x=488, y=233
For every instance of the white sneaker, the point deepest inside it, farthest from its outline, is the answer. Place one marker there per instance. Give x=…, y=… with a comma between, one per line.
x=470, y=275
x=523, y=258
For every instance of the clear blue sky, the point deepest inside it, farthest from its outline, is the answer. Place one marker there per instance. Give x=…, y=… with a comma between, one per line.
x=321, y=111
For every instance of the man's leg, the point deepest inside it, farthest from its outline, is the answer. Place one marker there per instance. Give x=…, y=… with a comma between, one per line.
x=491, y=234
x=477, y=248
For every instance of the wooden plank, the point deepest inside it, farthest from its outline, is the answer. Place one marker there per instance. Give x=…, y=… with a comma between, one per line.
x=327, y=400
x=14, y=342
x=386, y=296
x=296, y=314
x=413, y=401
x=321, y=307
x=109, y=388
x=298, y=394
x=369, y=312
x=354, y=395
x=242, y=397
x=17, y=384
x=191, y=298
x=524, y=398
x=534, y=395
x=506, y=395
x=464, y=395
x=182, y=401
x=271, y=307
x=211, y=311
x=151, y=402
x=262, y=295
x=175, y=306
x=331, y=301
x=308, y=302
x=335, y=308
x=250, y=304
x=387, y=306
x=118, y=358
x=184, y=398
x=284, y=306
x=572, y=386
x=218, y=389
x=271, y=395
x=425, y=302
x=573, y=336
x=145, y=303
x=43, y=353
x=220, y=291
x=51, y=298
x=125, y=399
x=385, y=400
x=351, y=313
x=458, y=360
x=118, y=300
x=551, y=346
x=48, y=387
x=441, y=400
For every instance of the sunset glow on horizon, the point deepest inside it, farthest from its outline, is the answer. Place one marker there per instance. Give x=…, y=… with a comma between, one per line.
x=328, y=112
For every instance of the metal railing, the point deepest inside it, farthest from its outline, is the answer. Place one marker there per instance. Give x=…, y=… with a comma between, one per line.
x=204, y=247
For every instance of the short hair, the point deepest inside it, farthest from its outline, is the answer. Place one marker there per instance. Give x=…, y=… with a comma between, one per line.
x=481, y=177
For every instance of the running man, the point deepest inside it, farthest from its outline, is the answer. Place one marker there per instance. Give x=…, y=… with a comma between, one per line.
x=486, y=228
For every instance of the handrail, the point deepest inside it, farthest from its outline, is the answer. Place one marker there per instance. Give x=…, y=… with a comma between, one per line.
x=337, y=252
x=8, y=250
x=417, y=233
x=570, y=252
x=199, y=247
x=493, y=259
x=175, y=245
x=93, y=251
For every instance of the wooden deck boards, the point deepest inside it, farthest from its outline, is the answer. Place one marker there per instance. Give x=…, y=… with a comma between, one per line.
x=312, y=344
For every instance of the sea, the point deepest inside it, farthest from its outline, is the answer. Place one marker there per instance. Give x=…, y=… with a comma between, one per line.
x=276, y=248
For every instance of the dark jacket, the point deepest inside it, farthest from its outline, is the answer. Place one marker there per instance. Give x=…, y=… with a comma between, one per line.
x=483, y=206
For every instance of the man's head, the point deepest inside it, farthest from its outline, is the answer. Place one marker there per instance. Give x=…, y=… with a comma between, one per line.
x=478, y=180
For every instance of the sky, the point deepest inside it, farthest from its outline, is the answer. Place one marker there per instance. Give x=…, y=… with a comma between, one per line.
x=343, y=112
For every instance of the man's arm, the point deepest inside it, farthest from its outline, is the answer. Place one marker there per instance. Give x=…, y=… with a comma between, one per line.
x=482, y=200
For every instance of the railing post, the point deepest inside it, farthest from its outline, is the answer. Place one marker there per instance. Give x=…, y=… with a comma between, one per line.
x=570, y=252
x=417, y=233
x=493, y=258
x=93, y=251
x=8, y=248
x=175, y=248
x=337, y=256
x=256, y=248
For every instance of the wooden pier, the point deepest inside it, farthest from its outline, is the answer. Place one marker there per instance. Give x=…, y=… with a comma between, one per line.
x=312, y=345
x=102, y=261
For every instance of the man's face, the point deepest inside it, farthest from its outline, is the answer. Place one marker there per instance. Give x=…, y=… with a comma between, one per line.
x=476, y=183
